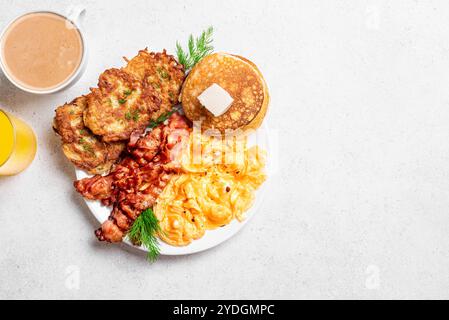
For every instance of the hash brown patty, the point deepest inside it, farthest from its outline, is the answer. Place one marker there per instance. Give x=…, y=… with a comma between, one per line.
x=120, y=105
x=79, y=144
x=162, y=72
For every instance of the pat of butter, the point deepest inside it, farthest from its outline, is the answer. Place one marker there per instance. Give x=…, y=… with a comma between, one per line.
x=216, y=99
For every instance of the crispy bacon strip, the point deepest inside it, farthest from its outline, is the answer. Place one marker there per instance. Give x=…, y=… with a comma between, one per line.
x=134, y=184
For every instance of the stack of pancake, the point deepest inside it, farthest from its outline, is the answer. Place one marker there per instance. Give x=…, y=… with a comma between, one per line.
x=241, y=79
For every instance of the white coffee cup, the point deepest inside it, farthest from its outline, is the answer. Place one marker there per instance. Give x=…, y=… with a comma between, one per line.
x=73, y=18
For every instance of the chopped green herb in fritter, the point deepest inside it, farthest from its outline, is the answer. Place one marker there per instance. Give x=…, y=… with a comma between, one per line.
x=163, y=73
x=88, y=148
x=136, y=115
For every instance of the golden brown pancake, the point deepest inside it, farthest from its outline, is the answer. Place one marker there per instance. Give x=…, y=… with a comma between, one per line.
x=240, y=78
x=79, y=144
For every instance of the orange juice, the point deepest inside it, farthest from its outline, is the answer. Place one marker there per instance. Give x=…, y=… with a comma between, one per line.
x=17, y=144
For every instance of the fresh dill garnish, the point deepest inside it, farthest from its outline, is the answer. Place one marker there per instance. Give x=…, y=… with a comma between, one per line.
x=143, y=232
x=128, y=115
x=197, y=49
x=127, y=92
x=121, y=101
x=162, y=118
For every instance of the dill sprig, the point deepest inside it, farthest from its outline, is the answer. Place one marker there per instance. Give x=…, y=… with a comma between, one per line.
x=198, y=48
x=162, y=118
x=143, y=232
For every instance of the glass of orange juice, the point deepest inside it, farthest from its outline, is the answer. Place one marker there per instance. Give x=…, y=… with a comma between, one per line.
x=17, y=144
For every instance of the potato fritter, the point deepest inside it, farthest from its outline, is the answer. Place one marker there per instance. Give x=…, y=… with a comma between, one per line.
x=68, y=121
x=120, y=105
x=162, y=72
x=94, y=127
x=79, y=144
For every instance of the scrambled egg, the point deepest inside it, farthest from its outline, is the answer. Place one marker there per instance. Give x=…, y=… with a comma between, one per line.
x=216, y=185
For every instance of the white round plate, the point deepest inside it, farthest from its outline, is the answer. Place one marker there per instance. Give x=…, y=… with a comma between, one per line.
x=211, y=238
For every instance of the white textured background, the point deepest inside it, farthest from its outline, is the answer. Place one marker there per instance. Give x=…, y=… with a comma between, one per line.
x=359, y=206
